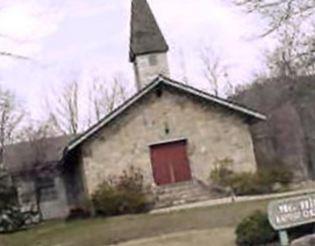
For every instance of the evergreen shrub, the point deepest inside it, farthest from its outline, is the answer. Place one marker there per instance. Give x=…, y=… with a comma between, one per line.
x=255, y=230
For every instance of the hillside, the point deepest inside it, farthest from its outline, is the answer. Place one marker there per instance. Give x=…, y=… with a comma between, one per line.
x=288, y=136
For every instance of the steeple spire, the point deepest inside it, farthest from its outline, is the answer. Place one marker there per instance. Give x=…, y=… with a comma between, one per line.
x=148, y=47
x=146, y=36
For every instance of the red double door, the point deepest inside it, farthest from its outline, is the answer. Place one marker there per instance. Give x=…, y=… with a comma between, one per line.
x=170, y=162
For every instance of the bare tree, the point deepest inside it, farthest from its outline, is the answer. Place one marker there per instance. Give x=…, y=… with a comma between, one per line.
x=281, y=62
x=71, y=111
x=11, y=115
x=64, y=112
x=36, y=131
x=292, y=22
x=280, y=13
x=105, y=97
x=215, y=71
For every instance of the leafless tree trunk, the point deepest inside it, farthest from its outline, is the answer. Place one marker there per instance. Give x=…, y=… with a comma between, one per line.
x=76, y=108
x=292, y=57
x=281, y=62
x=280, y=13
x=104, y=97
x=11, y=115
x=215, y=71
x=64, y=112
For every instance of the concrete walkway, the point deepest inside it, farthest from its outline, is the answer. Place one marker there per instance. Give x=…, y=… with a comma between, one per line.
x=215, y=202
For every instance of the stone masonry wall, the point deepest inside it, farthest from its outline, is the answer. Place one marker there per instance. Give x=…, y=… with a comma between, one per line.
x=213, y=134
x=146, y=72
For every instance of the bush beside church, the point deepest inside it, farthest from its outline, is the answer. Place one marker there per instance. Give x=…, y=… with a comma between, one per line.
x=124, y=194
x=265, y=181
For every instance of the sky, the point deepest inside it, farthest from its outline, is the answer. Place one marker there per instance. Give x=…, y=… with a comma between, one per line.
x=78, y=40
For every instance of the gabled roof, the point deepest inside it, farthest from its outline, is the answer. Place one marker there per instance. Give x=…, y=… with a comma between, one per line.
x=161, y=80
x=146, y=36
x=24, y=156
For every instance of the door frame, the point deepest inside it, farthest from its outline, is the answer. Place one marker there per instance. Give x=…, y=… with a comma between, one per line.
x=169, y=141
x=174, y=140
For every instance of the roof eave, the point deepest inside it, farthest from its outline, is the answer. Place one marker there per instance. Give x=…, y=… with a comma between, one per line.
x=112, y=115
x=162, y=79
x=133, y=55
x=220, y=101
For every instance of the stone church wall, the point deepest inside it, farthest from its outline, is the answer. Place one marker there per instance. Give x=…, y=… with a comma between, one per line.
x=147, y=67
x=212, y=134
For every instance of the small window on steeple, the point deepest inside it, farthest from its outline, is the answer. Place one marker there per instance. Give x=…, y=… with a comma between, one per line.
x=152, y=60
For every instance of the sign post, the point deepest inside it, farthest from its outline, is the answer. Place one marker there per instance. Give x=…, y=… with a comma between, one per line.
x=291, y=212
x=284, y=238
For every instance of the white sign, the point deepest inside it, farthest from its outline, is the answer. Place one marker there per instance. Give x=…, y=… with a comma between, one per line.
x=291, y=212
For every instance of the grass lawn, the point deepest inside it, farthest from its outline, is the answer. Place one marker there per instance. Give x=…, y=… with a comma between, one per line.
x=217, y=237
x=99, y=232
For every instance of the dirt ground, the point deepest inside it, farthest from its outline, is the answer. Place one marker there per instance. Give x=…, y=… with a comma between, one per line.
x=218, y=237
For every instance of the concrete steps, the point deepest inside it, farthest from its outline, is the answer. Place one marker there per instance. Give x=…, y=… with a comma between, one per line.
x=182, y=193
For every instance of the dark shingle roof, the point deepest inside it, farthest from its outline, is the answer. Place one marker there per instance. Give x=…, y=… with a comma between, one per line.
x=146, y=36
x=23, y=156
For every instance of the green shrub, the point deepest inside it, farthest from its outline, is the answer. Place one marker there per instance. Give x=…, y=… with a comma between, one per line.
x=8, y=197
x=255, y=230
x=247, y=183
x=222, y=173
x=131, y=180
x=125, y=194
x=242, y=183
x=281, y=175
x=107, y=200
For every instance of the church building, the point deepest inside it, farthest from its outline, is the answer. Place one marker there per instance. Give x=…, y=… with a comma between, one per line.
x=171, y=131
x=174, y=133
